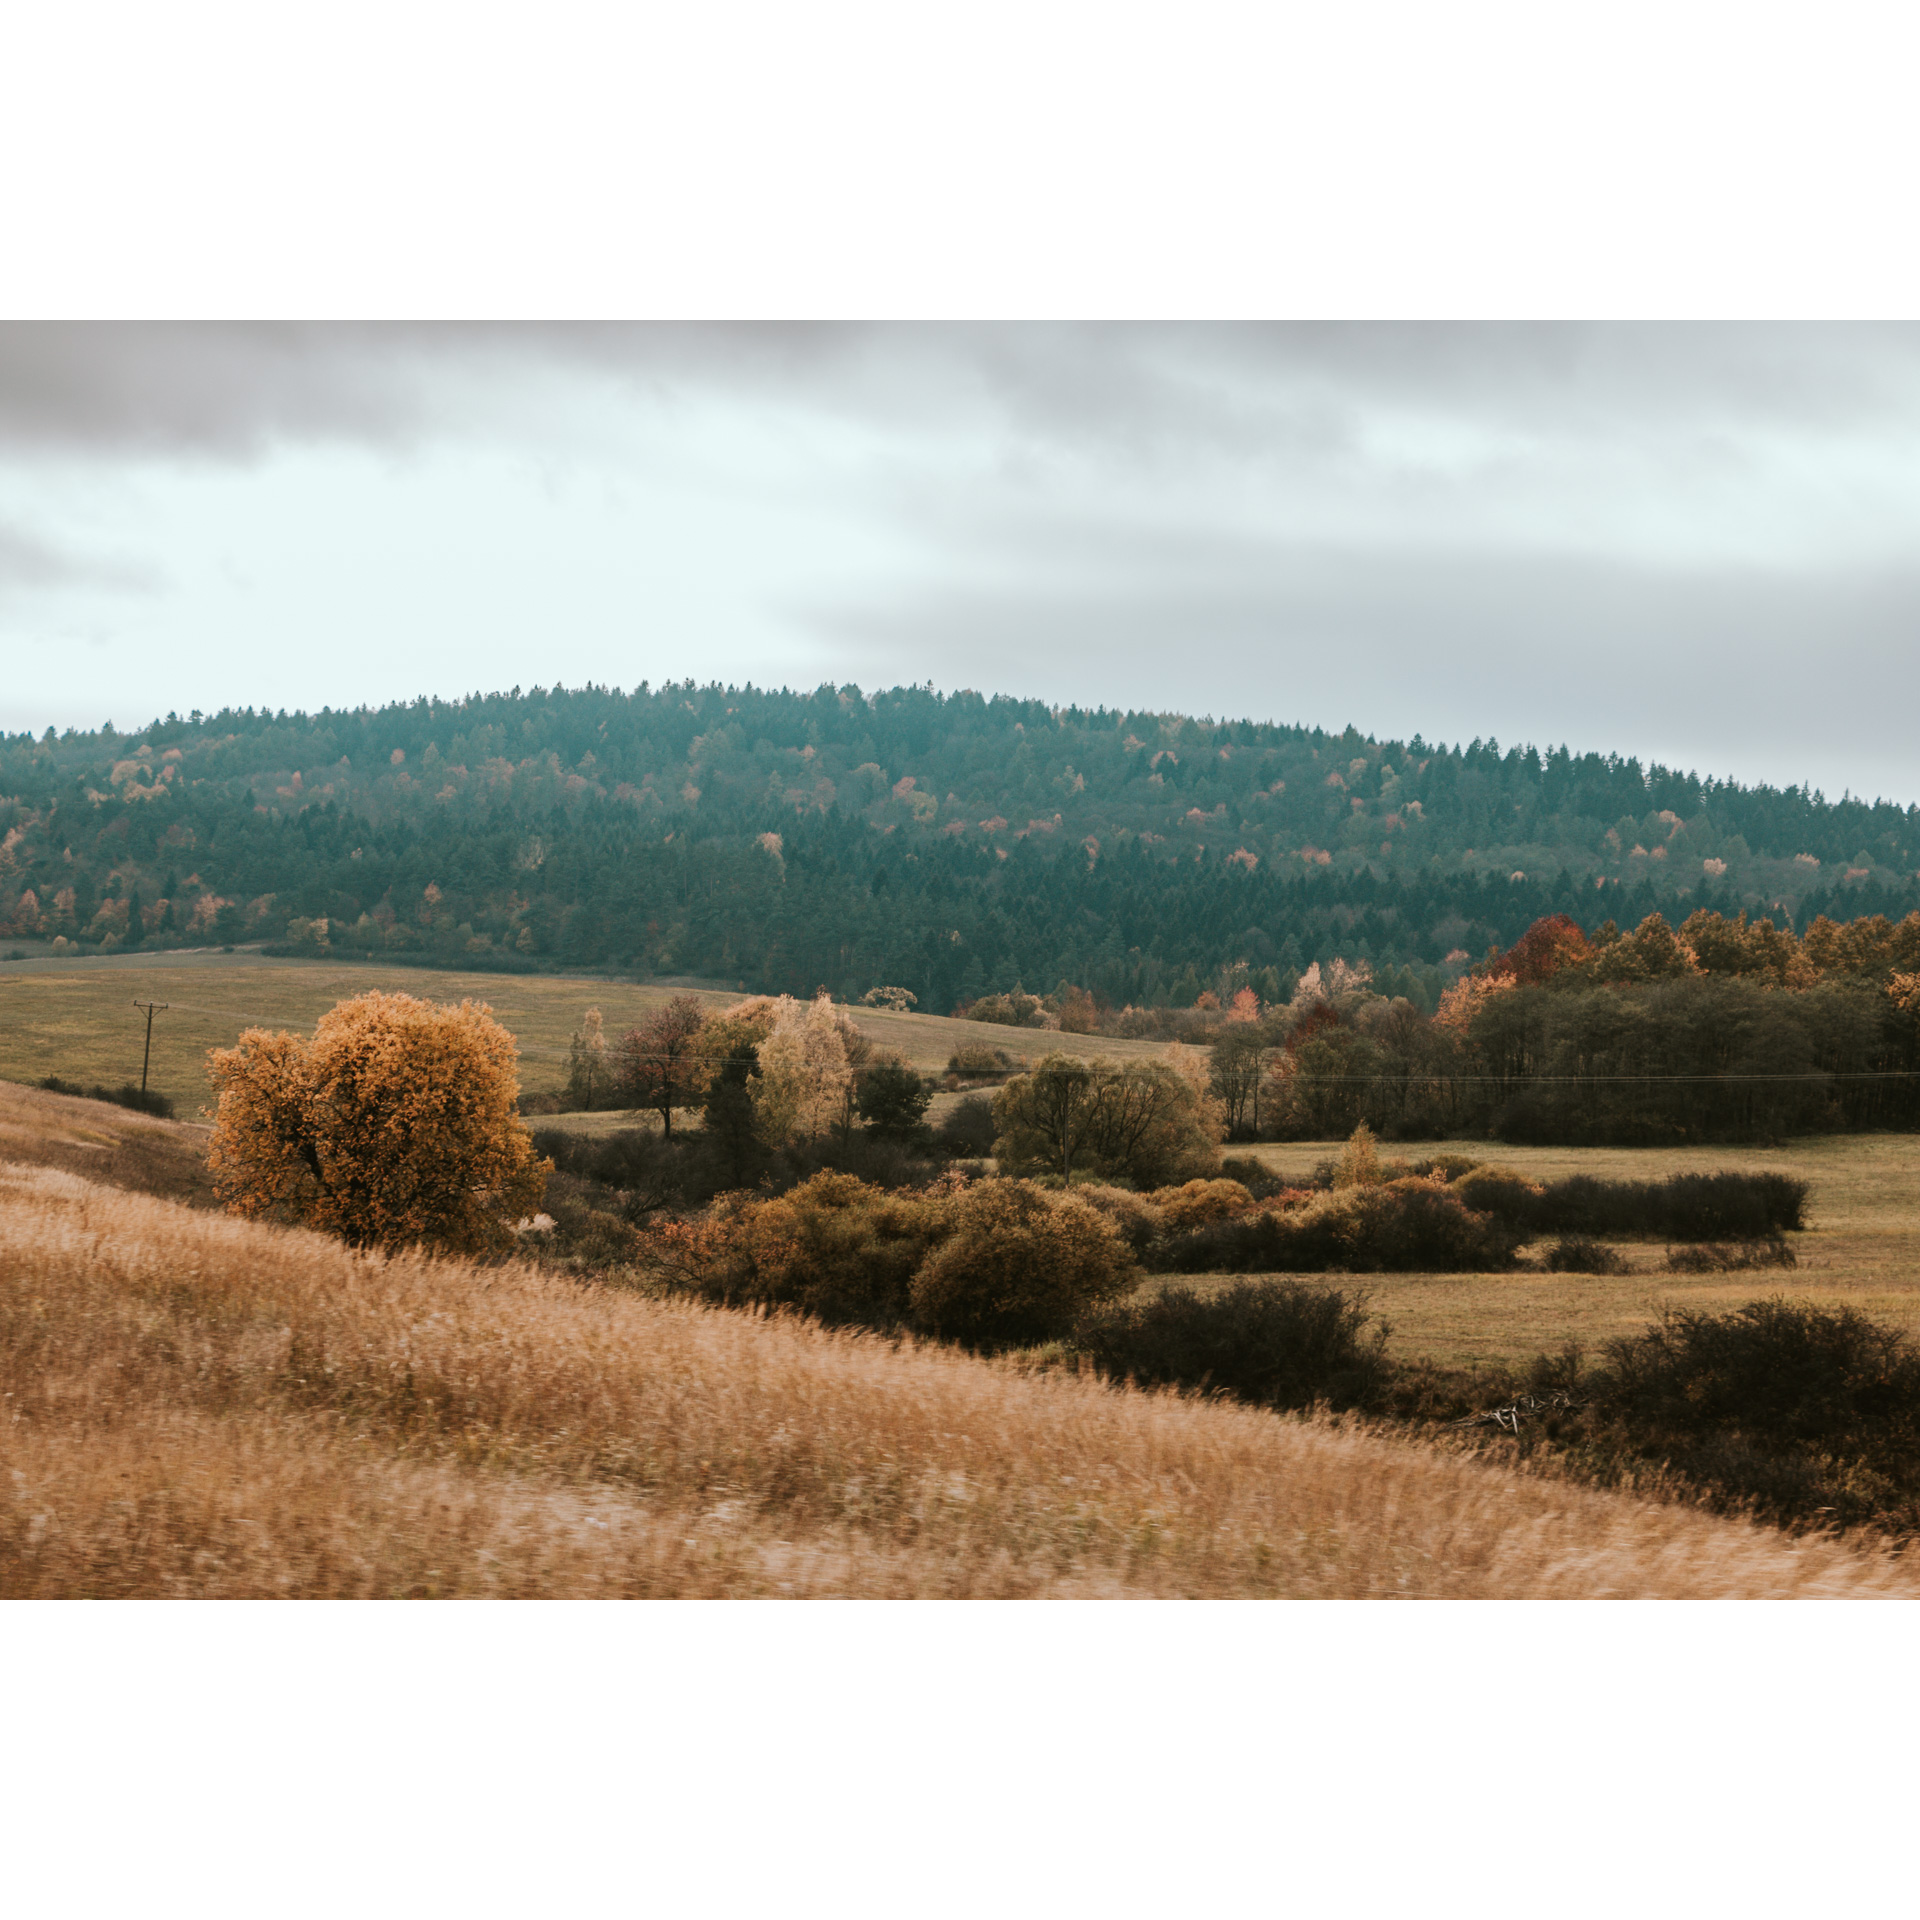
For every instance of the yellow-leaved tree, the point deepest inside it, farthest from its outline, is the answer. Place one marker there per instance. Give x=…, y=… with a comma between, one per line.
x=803, y=1083
x=393, y=1126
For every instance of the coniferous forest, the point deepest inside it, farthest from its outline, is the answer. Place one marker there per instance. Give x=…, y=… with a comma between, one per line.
x=955, y=845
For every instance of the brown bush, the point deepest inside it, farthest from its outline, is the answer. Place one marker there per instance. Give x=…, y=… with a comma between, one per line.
x=1134, y=1215
x=1489, y=1189
x=835, y=1247
x=976, y=1058
x=1200, y=1201
x=1018, y=1266
x=1402, y=1226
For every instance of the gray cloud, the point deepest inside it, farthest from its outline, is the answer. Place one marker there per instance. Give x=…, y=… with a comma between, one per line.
x=230, y=388
x=1781, y=679
x=29, y=563
x=1699, y=543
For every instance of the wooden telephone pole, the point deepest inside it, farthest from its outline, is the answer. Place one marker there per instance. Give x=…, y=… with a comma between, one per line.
x=152, y=1008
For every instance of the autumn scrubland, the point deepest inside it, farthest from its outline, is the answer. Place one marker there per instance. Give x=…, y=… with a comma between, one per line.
x=1091, y=1324
x=204, y=1405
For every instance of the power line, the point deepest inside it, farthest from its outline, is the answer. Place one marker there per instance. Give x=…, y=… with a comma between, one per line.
x=1812, y=1076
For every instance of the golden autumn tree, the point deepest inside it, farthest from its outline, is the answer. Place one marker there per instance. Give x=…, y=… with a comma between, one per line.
x=394, y=1125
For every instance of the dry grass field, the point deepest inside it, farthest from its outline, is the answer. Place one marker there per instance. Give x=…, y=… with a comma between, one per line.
x=200, y=1406
x=1862, y=1249
x=76, y=1018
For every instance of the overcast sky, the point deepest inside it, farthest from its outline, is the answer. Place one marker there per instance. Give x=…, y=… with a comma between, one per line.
x=1699, y=544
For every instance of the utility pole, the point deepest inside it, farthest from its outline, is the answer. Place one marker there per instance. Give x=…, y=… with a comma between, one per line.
x=152, y=1008
x=1077, y=1078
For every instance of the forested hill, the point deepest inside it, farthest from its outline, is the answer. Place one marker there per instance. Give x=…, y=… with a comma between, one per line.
x=951, y=844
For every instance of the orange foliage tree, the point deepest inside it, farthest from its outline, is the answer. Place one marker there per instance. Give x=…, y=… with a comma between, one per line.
x=1540, y=952
x=393, y=1126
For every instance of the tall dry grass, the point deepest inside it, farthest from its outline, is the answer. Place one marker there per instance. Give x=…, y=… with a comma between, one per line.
x=197, y=1405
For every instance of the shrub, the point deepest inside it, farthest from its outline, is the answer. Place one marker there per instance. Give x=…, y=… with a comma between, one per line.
x=1686, y=1206
x=1449, y=1166
x=1019, y=1266
x=1136, y=1217
x=130, y=1096
x=1258, y=1179
x=835, y=1247
x=1500, y=1191
x=978, y=1060
x=1406, y=1226
x=585, y=1234
x=1015, y=1009
x=1720, y=1206
x=1804, y=1412
x=1741, y=1257
x=644, y=1168
x=1359, y=1164
x=966, y=1130
x=1200, y=1201
x=1575, y=1254
x=1410, y=1226
x=1277, y=1343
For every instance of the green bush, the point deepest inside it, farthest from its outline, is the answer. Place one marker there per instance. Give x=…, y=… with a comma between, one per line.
x=891, y=1097
x=966, y=1129
x=1017, y=1266
x=1139, y=1120
x=1276, y=1343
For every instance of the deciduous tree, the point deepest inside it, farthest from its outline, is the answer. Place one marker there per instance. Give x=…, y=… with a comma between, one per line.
x=394, y=1126
x=891, y=1096
x=1146, y=1120
x=661, y=1063
x=803, y=1081
x=587, y=1068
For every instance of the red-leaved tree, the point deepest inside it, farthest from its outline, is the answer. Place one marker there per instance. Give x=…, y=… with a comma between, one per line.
x=1540, y=952
x=661, y=1063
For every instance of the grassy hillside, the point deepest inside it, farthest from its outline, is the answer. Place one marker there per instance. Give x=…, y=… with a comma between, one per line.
x=205, y=1407
x=77, y=1019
